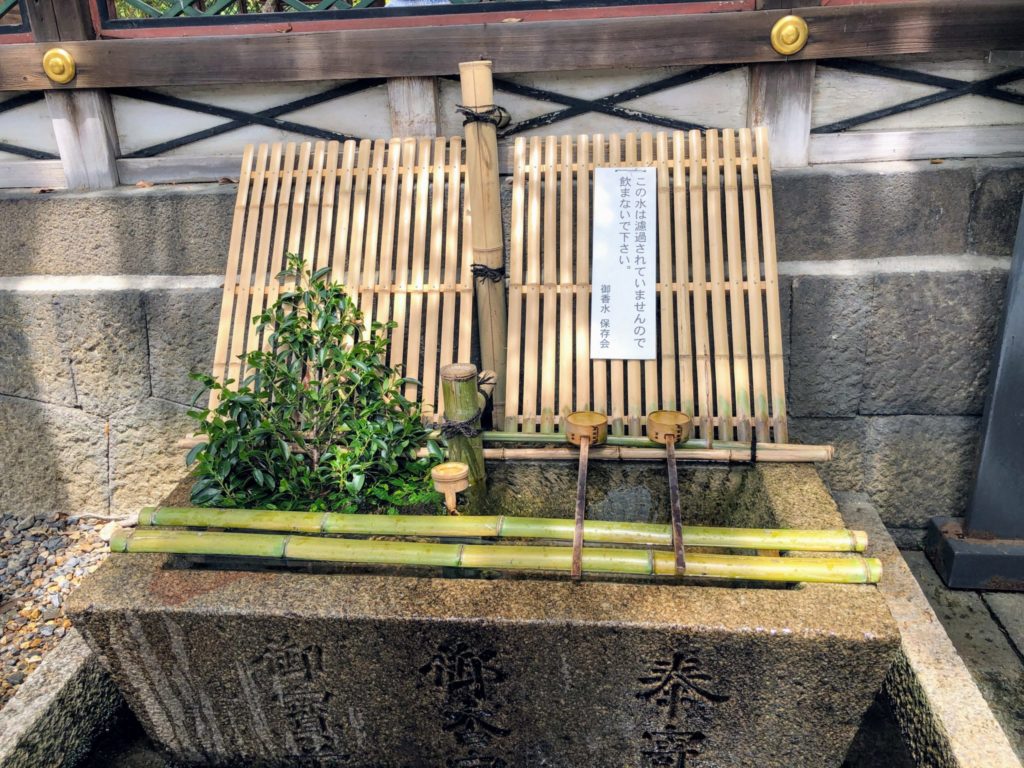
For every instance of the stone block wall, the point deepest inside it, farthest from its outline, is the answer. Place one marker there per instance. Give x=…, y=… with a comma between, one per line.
x=892, y=282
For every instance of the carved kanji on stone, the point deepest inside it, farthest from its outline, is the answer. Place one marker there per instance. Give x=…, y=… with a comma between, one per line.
x=678, y=681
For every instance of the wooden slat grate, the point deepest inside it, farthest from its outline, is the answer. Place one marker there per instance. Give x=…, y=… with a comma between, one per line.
x=719, y=322
x=389, y=218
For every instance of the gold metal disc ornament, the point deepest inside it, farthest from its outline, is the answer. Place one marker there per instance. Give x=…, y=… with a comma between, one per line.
x=59, y=65
x=789, y=35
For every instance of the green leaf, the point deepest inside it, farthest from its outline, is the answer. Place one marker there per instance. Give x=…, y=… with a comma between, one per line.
x=355, y=482
x=196, y=450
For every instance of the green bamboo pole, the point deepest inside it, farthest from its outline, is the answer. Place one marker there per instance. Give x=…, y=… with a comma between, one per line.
x=501, y=526
x=624, y=441
x=458, y=387
x=646, y=562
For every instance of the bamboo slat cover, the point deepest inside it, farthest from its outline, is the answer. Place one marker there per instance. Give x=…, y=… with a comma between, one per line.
x=718, y=316
x=389, y=217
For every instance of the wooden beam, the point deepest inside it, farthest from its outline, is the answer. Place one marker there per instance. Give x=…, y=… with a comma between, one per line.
x=916, y=26
x=412, y=102
x=924, y=144
x=780, y=99
x=179, y=169
x=83, y=120
x=83, y=124
x=52, y=20
x=44, y=174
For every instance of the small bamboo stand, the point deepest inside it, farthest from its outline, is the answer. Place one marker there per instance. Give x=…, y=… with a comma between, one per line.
x=485, y=212
x=582, y=429
x=671, y=427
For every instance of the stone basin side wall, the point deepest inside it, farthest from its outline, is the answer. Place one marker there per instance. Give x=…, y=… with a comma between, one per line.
x=892, y=282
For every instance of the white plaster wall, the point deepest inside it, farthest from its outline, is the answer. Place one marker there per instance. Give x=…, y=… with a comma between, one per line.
x=27, y=126
x=142, y=124
x=839, y=95
x=719, y=101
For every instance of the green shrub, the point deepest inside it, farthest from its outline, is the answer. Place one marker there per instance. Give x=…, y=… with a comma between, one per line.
x=320, y=421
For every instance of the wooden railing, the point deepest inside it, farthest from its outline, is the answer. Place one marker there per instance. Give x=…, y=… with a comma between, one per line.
x=409, y=49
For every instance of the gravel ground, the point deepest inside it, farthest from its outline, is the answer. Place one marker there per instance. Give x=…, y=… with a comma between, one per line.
x=42, y=558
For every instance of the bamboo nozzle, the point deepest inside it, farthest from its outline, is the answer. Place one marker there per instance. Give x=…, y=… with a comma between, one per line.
x=645, y=562
x=450, y=478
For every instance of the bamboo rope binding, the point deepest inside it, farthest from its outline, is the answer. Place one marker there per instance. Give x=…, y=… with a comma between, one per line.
x=485, y=209
x=643, y=562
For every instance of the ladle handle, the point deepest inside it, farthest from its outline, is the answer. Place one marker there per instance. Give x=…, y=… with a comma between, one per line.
x=677, y=516
x=581, y=506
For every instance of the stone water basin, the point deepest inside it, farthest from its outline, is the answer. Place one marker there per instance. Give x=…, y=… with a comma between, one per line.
x=383, y=669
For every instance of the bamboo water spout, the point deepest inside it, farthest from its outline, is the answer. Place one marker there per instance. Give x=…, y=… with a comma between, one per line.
x=641, y=562
x=461, y=426
x=503, y=527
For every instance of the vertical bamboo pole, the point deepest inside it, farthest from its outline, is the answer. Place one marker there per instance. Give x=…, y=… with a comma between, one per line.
x=485, y=208
x=458, y=386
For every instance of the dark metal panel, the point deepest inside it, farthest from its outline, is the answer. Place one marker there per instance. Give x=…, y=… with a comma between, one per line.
x=986, y=549
x=996, y=507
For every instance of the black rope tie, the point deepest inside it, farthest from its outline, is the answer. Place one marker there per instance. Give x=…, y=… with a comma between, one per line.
x=485, y=379
x=467, y=428
x=484, y=272
x=489, y=113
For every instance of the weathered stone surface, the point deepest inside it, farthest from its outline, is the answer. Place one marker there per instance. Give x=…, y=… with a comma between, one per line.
x=180, y=230
x=51, y=458
x=996, y=209
x=145, y=460
x=871, y=211
x=636, y=492
x=377, y=670
x=846, y=470
x=826, y=365
x=1009, y=609
x=32, y=362
x=929, y=342
x=182, y=335
x=59, y=710
x=943, y=717
x=919, y=466
x=992, y=659
x=104, y=335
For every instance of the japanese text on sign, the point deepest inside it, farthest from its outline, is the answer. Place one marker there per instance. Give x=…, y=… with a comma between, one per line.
x=625, y=274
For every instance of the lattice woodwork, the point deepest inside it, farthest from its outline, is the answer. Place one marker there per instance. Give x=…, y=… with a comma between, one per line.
x=389, y=217
x=719, y=321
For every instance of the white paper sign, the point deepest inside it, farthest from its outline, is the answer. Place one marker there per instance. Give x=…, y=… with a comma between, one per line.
x=624, y=277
